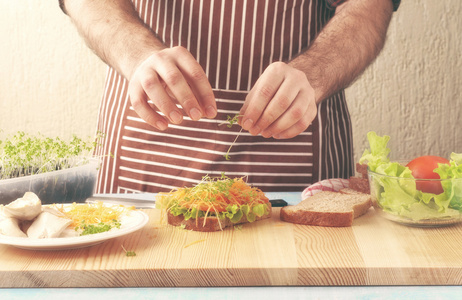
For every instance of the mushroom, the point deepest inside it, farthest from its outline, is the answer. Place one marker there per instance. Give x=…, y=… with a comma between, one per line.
x=26, y=208
x=48, y=225
x=10, y=227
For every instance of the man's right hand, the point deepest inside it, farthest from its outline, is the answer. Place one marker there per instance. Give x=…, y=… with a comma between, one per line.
x=169, y=77
x=166, y=76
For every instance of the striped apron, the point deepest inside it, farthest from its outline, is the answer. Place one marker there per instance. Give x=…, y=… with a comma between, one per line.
x=234, y=41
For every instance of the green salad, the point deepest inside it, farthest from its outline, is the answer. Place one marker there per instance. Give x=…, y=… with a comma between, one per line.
x=396, y=191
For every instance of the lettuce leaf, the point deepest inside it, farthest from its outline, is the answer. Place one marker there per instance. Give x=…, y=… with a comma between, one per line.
x=378, y=152
x=452, y=188
x=234, y=213
x=260, y=209
x=419, y=211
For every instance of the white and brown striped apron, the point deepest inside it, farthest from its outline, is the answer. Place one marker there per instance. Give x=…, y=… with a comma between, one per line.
x=234, y=41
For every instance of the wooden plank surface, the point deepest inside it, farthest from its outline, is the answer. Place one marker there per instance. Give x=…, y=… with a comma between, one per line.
x=373, y=251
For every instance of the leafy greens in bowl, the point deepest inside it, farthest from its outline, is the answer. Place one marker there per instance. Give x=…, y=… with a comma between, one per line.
x=397, y=195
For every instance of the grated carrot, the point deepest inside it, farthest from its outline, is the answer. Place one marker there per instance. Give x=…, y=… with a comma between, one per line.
x=215, y=195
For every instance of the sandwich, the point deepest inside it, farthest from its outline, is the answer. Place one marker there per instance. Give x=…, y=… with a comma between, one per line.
x=214, y=204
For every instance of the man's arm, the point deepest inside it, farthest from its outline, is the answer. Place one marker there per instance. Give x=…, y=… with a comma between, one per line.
x=113, y=30
x=166, y=76
x=283, y=102
x=346, y=46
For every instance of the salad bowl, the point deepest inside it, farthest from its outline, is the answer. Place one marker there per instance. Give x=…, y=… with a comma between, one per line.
x=398, y=199
x=425, y=191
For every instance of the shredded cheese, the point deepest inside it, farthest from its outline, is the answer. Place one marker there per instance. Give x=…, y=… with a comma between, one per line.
x=195, y=242
x=92, y=213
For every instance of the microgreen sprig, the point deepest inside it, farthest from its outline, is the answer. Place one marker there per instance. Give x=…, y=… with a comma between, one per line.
x=97, y=228
x=128, y=253
x=230, y=121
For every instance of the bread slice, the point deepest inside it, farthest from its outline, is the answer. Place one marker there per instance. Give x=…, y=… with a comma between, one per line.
x=361, y=169
x=359, y=184
x=333, y=209
x=350, y=191
x=211, y=223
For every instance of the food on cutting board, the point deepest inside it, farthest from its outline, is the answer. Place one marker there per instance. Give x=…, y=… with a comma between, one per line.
x=214, y=204
x=326, y=208
x=27, y=217
x=428, y=188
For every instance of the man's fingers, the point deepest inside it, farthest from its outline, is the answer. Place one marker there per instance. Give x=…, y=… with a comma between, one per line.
x=295, y=129
x=187, y=81
x=257, y=101
x=171, y=78
x=140, y=104
x=202, y=89
x=170, y=74
x=285, y=128
x=279, y=105
x=152, y=87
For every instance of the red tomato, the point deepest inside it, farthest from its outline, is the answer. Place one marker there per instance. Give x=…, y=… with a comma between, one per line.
x=422, y=168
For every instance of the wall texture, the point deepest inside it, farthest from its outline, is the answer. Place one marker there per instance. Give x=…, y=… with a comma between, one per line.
x=413, y=91
x=51, y=83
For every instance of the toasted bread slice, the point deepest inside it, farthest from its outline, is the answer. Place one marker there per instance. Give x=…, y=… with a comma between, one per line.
x=361, y=169
x=359, y=184
x=350, y=191
x=333, y=209
x=210, y=223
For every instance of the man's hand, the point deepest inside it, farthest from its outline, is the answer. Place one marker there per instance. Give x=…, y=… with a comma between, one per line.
x=280, y=105
x=169, y=77
x=166, y=76
x=283, y=102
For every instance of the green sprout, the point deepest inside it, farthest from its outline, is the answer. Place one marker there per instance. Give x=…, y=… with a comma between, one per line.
x=24, y=154
x=128, y=253
x=88, y=229
x=230, y=121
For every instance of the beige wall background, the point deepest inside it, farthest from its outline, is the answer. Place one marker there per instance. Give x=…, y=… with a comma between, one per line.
x=51, y=83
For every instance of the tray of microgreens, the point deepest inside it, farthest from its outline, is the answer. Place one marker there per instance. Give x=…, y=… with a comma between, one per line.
x=57, y=170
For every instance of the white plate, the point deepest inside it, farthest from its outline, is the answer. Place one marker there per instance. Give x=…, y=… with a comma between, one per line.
x=130, y=223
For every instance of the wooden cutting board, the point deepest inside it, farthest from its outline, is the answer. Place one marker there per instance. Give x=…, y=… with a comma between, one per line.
x=373, y=251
